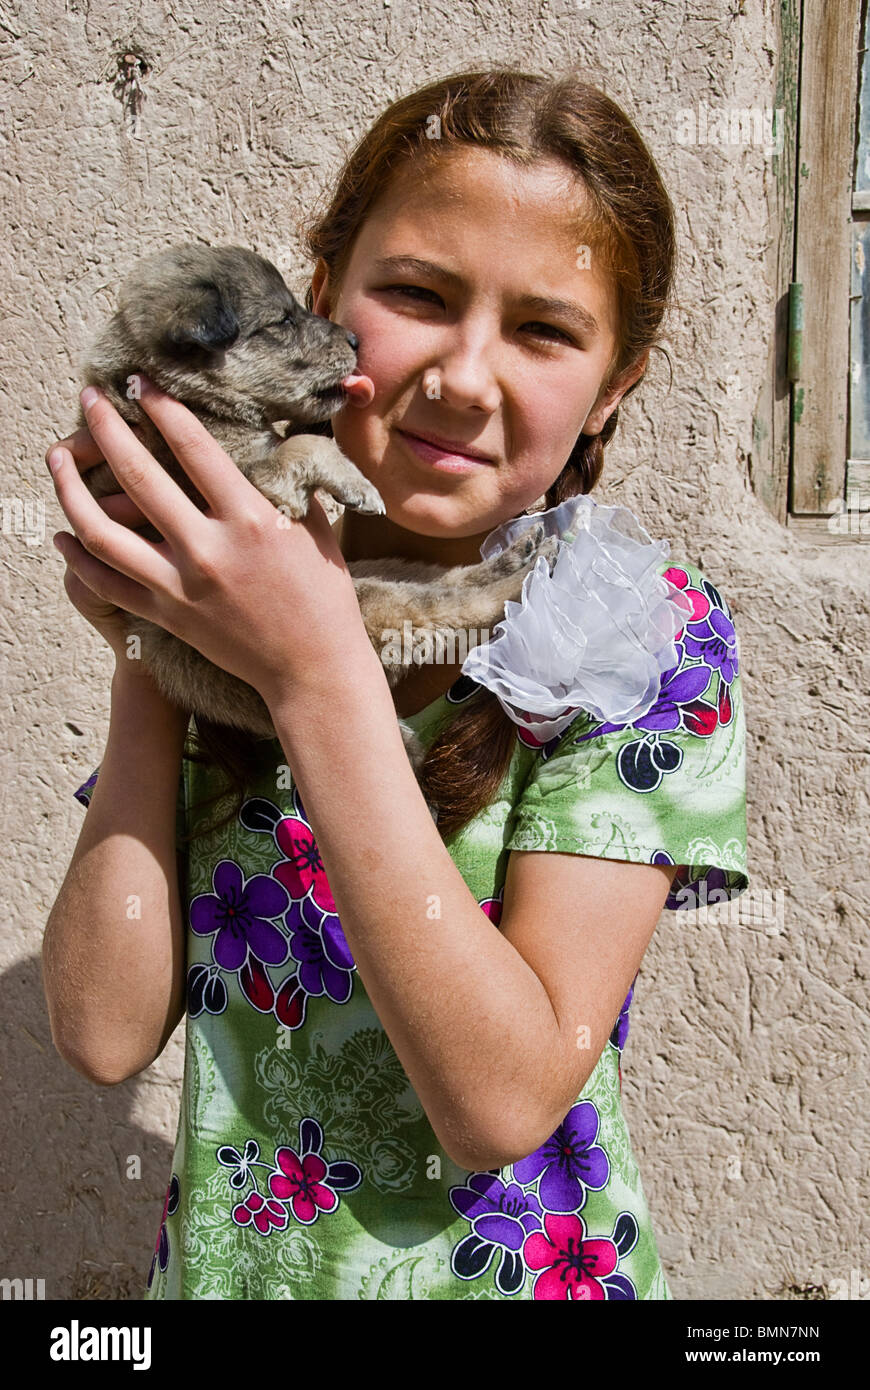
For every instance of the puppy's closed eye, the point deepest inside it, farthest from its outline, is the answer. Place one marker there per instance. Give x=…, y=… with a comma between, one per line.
x=277, y=323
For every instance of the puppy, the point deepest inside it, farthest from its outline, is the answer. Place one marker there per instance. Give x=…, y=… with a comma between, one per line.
x=218, y=329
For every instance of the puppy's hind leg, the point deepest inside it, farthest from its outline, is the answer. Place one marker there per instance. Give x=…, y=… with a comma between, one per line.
x=450, y=614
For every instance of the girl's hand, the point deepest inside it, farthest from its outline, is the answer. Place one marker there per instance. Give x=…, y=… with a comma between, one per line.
x=107, y=618
x=243, y=584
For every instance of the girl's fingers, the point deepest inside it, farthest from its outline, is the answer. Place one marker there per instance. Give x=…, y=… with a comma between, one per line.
x=115, y=589
x=156, y=494
x=84, y=448
x=122, y=509
x=143, y=562
x=211, y=470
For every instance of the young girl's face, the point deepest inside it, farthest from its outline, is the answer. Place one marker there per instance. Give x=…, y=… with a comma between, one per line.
x=457, y=348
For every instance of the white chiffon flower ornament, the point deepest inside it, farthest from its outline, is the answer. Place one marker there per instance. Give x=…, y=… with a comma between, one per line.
x=597, y=635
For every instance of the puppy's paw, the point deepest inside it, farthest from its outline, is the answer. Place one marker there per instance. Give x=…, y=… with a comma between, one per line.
x=304, y=463
x=527, y=546
x=361, y=497
x=536, y=544
x=550, y=547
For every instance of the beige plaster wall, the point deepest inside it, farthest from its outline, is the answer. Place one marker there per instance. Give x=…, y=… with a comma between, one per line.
x=744, y=1076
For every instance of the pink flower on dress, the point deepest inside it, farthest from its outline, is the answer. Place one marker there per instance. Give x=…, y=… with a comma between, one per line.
x=571, y=1266
x=300, y=1182
x=264, y=1213
x=701, y=605
x=304, y=1179
x=303, y=868
x=493, y=907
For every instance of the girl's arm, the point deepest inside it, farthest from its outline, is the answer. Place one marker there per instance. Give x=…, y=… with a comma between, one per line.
x=485, y=1021
x=490, y=1022
x=113, y=949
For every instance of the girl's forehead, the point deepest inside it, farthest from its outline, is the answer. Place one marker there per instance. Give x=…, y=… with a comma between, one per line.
x=479, y=206
x=468, y=179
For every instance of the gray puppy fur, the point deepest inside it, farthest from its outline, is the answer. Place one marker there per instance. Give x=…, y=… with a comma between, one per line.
x=218, y=329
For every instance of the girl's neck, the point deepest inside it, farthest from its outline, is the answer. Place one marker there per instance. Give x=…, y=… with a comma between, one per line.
x=377, y=538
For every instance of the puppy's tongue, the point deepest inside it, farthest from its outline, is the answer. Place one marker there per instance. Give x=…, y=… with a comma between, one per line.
x=359, y=387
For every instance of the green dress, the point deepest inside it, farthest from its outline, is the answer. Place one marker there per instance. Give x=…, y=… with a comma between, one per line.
x=305, y=1166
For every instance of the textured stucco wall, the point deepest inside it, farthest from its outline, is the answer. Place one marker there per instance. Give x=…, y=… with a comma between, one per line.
x=744, y=1065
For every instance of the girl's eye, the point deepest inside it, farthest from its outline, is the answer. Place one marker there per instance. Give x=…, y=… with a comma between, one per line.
x=414, y=290
x=548, y=327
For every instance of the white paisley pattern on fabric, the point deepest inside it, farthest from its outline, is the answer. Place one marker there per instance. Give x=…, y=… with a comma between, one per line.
x=305, y=1166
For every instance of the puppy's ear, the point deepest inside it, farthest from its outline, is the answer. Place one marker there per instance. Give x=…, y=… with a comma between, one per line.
x=202, y=320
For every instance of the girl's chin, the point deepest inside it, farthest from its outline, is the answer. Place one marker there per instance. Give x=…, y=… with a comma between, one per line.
x=451, y=517
x=432, y=517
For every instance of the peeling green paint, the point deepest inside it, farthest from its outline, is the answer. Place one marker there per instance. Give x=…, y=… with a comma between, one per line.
x=786, y=98
x=798, y=405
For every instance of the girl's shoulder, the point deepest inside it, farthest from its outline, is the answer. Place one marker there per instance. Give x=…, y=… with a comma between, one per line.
x=665, y=783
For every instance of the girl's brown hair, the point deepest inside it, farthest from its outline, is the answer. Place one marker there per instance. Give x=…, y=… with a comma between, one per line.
x=628, y=220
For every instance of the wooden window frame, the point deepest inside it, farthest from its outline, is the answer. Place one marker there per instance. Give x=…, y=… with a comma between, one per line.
x=800, y=465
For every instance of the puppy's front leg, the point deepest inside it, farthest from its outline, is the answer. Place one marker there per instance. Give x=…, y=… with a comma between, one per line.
x=289, y=474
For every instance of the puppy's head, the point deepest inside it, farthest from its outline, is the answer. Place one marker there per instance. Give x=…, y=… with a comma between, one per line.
x=217, y=327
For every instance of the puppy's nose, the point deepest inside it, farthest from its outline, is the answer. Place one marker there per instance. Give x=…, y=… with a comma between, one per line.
x=353, y=340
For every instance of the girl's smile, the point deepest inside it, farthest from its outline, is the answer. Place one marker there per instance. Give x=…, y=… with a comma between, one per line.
x=451, y=457
x=482, y=329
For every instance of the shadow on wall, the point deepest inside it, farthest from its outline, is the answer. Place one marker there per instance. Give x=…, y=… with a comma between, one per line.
x=71, y=1215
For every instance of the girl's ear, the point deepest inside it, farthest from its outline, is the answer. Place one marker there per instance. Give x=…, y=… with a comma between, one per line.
x=609, y=399
x=320, y=289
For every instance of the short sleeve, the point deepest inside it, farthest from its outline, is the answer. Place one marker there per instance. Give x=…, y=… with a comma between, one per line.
x=669, y=788
x=86, y=790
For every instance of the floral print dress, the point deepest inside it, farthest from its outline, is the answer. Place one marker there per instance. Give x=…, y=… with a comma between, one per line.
x=305, y=1166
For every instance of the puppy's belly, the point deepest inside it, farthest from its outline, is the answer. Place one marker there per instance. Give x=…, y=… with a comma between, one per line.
x=187, y=678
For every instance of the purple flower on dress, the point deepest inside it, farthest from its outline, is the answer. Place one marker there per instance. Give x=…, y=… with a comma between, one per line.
x=700, y=892
x=501, y=1218
x=85, y=791
x=161, y=1250
x=319, y=945
x=237, y=911
x=619, y=1033
x=568, y=1163
x=711, y=635
x=317, y=942
x=326, y=965
x=715, y=642
x=642, y=763
x=678, y=688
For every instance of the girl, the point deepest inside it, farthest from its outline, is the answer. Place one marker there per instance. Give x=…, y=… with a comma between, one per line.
x=402, y=1073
